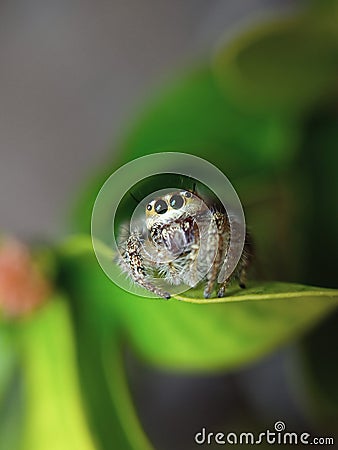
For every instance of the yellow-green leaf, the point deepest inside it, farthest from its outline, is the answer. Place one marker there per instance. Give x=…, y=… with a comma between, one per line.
x=191, y=333
x=54, y=415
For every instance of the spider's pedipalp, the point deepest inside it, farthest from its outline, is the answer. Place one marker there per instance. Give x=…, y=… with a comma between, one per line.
x=134, y=264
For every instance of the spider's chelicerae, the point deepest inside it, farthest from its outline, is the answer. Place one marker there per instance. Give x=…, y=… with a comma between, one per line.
x=181, y=240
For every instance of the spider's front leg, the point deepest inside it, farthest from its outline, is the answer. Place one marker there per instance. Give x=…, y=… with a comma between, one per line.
x=133, y=263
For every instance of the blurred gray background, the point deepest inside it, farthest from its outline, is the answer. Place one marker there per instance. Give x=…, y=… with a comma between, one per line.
x=72, y=74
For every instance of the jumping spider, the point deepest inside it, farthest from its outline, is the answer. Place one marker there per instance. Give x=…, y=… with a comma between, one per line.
x=182, y=241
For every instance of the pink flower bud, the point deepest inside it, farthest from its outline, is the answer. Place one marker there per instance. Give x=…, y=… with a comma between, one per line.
x=22, y=284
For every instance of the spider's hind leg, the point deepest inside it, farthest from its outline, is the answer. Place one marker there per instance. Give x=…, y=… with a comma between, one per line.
x=242, y=278
x=242, y=267
x=245, y=261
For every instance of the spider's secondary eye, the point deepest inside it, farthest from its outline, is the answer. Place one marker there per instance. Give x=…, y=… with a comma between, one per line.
x=149, y=207
x=161, y=207
x=176, y=202
x=188, y=194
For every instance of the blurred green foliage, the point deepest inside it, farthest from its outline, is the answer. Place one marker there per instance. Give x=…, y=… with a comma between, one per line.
x=283, y=66
x=264, y=111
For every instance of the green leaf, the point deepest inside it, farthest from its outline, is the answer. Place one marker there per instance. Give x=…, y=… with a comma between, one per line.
x=282, y=65
x=222, y=333
x=8, y=361
x=215, y=334
x=11, y=395
x=54, y=416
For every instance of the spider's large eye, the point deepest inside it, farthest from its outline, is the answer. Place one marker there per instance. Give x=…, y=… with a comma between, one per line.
x=176, y=202
x=161, y=207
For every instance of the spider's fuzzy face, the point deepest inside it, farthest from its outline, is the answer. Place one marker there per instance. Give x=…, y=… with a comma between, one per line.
x=173, y=207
